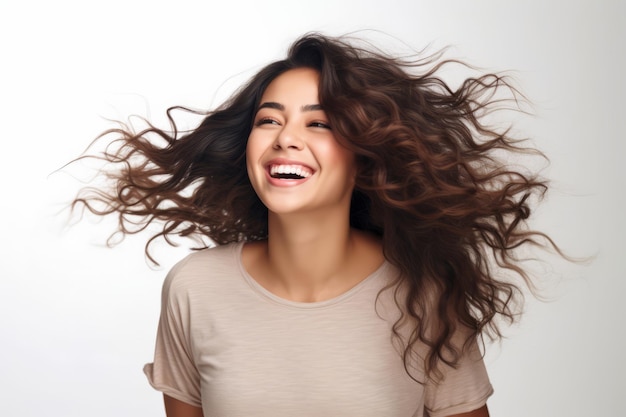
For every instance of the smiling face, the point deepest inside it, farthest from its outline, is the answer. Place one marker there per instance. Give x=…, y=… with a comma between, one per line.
x=294, y=162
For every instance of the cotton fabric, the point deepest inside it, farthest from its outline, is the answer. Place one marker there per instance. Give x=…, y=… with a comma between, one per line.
x=228, y=345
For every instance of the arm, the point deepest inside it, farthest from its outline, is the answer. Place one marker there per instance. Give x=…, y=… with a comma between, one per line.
x=176, y=408
x=481, y=412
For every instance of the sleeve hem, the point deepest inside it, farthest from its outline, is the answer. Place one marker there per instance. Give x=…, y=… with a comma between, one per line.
x=463, y=408
x=169, y=391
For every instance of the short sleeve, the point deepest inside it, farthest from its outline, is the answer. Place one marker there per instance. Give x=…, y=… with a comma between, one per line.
x=462, y=389
x=173, y=371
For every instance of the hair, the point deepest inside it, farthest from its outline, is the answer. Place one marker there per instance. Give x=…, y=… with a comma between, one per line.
x=430, y=182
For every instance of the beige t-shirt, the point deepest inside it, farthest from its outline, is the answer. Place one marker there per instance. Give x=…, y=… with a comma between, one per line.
x=230, y=346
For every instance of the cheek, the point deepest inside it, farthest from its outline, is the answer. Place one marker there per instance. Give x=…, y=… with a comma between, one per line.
x=251, y=155
x=342, y=157
x=253, y=147
x=256, y=145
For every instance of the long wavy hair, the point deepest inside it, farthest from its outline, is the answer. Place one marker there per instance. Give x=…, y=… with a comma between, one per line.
x=431, y=182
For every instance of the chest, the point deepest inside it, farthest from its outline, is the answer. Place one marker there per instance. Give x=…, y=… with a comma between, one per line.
x=276, y=361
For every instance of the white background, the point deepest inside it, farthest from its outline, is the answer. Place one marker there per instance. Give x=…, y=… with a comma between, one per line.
x=78, y=320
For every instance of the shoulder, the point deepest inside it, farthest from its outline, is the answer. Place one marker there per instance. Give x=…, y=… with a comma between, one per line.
x=202, y=269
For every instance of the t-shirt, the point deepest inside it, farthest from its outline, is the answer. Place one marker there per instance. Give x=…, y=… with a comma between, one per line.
x=230, y=346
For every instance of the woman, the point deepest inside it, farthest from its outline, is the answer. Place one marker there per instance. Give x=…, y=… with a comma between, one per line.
x=361, y=220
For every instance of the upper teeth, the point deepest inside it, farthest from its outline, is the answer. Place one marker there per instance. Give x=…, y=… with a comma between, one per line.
x=290, y=169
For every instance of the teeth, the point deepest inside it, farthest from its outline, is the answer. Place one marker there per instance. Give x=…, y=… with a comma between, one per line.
x=290, y=170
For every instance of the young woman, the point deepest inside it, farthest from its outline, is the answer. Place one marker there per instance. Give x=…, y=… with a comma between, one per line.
x=361, y=220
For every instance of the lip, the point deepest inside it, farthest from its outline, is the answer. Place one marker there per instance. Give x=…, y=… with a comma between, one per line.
x=286, y=182
x=284, y=161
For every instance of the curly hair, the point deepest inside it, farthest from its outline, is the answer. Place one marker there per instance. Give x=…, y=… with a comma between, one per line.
x=431, y=182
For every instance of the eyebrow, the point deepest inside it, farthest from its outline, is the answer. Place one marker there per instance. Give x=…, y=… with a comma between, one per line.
x=278, y=106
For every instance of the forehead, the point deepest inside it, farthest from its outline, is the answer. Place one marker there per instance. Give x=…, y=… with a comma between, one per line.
x=300, y=84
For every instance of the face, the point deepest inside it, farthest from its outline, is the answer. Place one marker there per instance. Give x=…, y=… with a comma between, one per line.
x=294, y=162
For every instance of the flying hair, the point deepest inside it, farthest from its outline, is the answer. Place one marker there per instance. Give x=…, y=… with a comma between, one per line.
x=432, y=181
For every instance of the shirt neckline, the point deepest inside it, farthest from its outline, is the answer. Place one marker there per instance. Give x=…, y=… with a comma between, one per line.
x=270, y=296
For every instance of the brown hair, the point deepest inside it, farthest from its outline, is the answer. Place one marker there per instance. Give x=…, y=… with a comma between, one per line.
x=429, y=182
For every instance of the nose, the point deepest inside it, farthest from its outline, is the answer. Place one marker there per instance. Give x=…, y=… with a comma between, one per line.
x=288, y=138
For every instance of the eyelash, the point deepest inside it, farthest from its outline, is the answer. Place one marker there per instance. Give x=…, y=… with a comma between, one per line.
x=320, y=124
x=269, y=120
x=265, y=120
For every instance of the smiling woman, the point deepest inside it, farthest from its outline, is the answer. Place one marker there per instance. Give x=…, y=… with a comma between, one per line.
x=294, y=161
x=363, y=223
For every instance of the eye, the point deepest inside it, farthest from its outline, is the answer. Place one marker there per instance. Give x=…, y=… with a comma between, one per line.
x=320, y=125
x=266, y=121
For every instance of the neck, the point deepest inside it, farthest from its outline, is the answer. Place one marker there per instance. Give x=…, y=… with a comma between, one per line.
x=309, y=258
x=309, y=250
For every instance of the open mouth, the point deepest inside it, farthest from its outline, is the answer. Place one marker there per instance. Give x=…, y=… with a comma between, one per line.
x=290, y=172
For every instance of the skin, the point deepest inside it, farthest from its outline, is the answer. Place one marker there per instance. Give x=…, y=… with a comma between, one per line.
x=309, y=231
x=176, y=408
x=309, y=219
